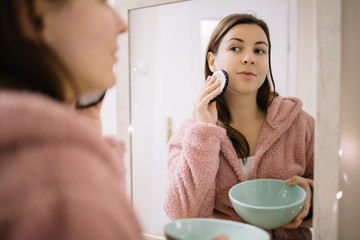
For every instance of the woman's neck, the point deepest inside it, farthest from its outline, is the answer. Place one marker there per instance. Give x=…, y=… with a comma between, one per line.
x=244, y=109
x=70, y=101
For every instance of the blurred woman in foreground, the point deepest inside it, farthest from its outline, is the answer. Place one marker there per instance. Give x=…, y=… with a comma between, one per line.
x=59, y=179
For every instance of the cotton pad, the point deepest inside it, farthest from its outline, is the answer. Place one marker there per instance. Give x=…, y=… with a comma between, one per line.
x=90, y=99
x=222, y=76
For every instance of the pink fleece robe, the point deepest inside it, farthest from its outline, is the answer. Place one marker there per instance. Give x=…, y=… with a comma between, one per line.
x=203, y=165
x=59, y=179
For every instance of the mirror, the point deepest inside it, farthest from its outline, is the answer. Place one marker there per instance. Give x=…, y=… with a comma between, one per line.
x=137, y=69
x=167, y=55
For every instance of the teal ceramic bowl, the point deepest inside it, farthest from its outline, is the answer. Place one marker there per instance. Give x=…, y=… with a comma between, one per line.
x=267, y=203
x=208, y=229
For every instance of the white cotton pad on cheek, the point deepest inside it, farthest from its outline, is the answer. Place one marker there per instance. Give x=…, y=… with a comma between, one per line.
x=222, y=76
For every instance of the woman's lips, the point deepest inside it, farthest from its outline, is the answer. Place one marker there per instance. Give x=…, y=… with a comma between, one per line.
x=114, y=53
x=248, y=74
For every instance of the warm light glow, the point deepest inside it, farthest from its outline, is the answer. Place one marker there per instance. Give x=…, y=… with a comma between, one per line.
x=339, y=195
x=350, y=151
x=340, y=152
x=111, y=3
x=131, y=129
x=346, y=178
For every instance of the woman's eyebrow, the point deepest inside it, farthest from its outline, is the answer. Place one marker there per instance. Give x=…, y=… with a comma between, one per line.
x=236, y=39
x=240, y=40
x=261, y=42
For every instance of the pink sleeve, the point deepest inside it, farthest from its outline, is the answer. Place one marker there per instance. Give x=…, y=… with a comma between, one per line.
x=193, y=163
x=117, y=147
x=309, y=171
x=64, y=191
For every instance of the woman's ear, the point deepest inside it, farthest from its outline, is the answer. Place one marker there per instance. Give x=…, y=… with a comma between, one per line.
x=30, y=20
x=211, y=61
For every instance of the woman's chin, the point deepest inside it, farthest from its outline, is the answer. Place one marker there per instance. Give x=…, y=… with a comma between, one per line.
x=241, y=91
x=107, y=81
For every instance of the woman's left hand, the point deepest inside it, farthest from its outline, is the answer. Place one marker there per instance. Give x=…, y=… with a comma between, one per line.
x=295, y=223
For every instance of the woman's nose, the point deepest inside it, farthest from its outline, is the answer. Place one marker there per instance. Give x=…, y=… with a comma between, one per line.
x=121, y=26
x=248, y=58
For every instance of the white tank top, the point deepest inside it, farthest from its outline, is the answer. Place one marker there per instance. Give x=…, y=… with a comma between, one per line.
x=247, y=166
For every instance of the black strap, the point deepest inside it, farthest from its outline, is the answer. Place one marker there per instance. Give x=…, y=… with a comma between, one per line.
x=87, y=105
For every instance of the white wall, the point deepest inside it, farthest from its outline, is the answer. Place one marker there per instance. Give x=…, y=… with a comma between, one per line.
x=107, y=113
x=143, y=51
x=349, y=211
x=306, y=61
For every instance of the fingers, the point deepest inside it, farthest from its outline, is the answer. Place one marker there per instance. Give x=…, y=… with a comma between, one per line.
x=292, y=224
x=204, y=111
x=296, y=222
x=212, y=105
x=303, y=213
x=294, y=180
x=297, y=180
x=208, y=81
x=209, y=90
x=207, y=98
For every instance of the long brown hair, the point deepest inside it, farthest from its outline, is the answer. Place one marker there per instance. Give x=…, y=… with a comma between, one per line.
x=25, y=64
x=266, y=93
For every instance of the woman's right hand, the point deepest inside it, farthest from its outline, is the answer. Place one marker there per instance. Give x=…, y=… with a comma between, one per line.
x=204, y=111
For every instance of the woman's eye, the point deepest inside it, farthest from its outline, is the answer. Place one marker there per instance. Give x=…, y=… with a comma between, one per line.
x=235, y=49
x=261, y=51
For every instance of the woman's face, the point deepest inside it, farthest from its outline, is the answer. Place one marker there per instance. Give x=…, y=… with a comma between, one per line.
x=83, y=33
x=243, y=54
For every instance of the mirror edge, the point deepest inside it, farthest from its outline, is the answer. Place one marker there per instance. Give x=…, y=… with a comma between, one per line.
x=324, y=197
x=328, y=34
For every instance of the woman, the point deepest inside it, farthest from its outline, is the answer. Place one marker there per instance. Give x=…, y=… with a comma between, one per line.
x=59, y=179
x=248, y=133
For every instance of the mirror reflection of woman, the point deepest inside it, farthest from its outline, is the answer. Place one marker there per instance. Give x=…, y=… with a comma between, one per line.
x=248, y=133
x=59, y=178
